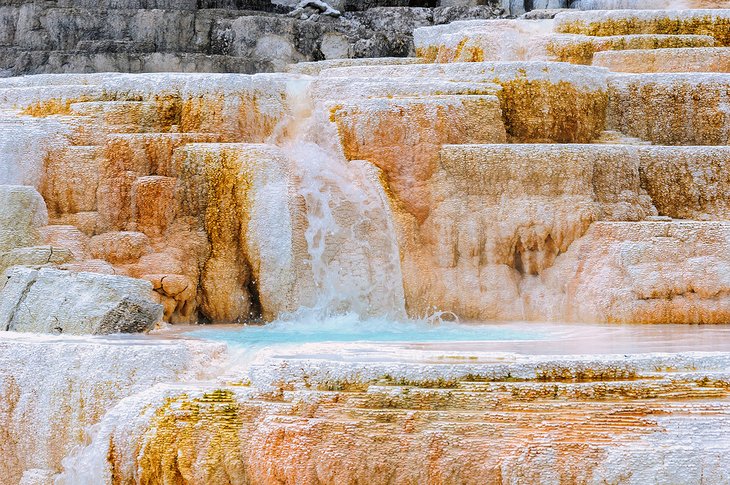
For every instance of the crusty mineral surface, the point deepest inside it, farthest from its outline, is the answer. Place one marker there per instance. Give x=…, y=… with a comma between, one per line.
x=408, y=414
x=197, y=184
x=570, y=170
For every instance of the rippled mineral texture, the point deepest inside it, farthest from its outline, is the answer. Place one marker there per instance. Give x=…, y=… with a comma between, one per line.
x=480, y=180
x=671, y=109
x=524, y=40
x=526, y=419
x=621, y=22
x=710, y=59
x=220, y=229
x=52, y=390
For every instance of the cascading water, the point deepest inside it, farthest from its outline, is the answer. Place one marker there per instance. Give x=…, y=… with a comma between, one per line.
x=351, y=238
x=355, y=268
x=357, y=295
x=347, y=389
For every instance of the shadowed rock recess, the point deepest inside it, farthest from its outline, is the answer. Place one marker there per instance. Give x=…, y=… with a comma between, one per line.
x=558, y=181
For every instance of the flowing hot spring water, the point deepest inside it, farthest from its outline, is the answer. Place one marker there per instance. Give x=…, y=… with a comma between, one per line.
x=511, y=209
x=344, y=201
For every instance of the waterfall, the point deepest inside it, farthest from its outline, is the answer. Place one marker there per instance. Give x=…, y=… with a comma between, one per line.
x=352, y=253
x=351, y=237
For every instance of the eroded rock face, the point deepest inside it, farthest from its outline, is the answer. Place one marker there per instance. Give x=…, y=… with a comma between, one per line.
x=34, y=256
x=49, y=411
x=231, y=196
x=710, y=59
x=219, y=184
x=36, y=298
x=492, y=190
x=403, y=137
x=541, y=101
x=645, y=4
x=525, y=205
x=22, y=214
x=54, y=301
x=638, y=105
x=618, y=22
x=687, y=182
x=651, y=272
x=471, y=421
x=536, y=40
x=243, y=37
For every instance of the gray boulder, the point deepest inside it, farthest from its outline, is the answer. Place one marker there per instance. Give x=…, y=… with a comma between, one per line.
x=131, y=315
x=54, y=301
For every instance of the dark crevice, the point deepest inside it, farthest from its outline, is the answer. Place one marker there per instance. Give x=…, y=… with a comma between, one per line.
x=256, y=311
x=517, y=260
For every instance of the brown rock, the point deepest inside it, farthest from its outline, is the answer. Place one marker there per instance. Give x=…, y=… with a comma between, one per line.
x=153, y=204
x=119, y=247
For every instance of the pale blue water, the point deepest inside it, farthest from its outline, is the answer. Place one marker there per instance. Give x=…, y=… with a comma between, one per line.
x=349, y=328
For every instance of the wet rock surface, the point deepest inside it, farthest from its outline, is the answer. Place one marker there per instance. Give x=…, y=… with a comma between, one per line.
x=227, y=231
x=81, y=380
x=357, y=211
x=416, y=413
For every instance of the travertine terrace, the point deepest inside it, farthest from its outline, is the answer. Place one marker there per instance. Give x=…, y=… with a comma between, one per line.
x=569, y=175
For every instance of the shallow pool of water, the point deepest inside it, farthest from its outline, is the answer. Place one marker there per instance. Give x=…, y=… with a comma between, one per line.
x=519, y=337
x=349, y=328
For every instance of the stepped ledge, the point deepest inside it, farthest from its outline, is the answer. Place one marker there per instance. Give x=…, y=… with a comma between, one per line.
x=382, y=242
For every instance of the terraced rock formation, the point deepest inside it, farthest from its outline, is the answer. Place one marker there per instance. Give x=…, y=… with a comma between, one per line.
x=425, y=414
x=251, y=36
x=572, y=36
x=497, y=180
x=509, y=187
